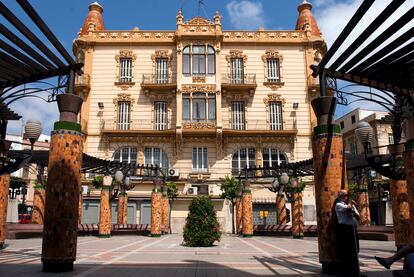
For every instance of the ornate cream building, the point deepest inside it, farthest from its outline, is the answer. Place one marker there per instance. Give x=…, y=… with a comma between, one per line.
x=199, y=101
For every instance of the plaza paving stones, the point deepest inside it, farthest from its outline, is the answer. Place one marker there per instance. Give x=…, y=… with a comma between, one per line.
x=165, y=256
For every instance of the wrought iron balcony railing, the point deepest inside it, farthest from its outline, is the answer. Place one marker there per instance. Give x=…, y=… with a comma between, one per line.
x=246, y=79
x=263, y=125
x=136, y=125
x=158, y=81
x=83, y=81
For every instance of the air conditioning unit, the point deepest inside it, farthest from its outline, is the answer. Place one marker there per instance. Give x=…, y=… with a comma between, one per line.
x=192, y=191
x=174, y=173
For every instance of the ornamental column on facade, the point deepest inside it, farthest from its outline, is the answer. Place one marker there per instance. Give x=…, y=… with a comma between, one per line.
x=400, y=212
x=62, y=189
x=409, y=169
x=247, y=204
x=327, y=146
x=165, y=210
x=122, y=208
x=104, y=228
x=156, y=210
x=4, y=198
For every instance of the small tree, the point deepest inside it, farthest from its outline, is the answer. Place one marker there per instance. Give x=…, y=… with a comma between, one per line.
x=172, y=195
x=229, y=189
x=202, y=227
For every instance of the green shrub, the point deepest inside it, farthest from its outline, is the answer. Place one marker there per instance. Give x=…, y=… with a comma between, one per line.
x=202, y=228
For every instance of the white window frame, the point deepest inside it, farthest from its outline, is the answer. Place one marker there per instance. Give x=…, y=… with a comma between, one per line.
x=161, y=115
x=275, y=116
x=131, y=157
x=161, y=71
x=125, y=70
x=197, y=154
x=279, y=154
x=237, y=70
x=162, y=154
x=124, y=115
x=210, y=109
x=238, y=117
x=273, y=70
x=239, y=167
x=209, y=57
x=390, y=138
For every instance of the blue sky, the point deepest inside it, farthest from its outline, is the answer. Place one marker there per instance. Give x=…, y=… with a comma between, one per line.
x=65, y=18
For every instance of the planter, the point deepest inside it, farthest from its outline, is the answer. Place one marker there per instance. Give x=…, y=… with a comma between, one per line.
x=324, y=108
x=69, y=106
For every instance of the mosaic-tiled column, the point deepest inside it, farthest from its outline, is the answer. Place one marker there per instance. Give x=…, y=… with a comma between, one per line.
x=409, y=169
x=363, y=208
x=298, y=220
x=327, y=146
x=60, y=226
x=239, y=210
x=80, y=207
x=104, y=228
x=281, y=209
x=39, y=198
x=156, y=210
x=122, y=208
x=247, y=204
x=400, y=212
x=165, y=210
x=4, y=197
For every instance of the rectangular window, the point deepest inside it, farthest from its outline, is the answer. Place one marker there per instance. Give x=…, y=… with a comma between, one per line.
x=124, y=115
x=237, y=116
x=236, y=71
x=186, y=64
x=390, y=138
x=186, y=107
x=354, y=148
x=353, y=119
x=199, y=60
x=273, y=70
x=199, y=109
x=125, y=74
x=160, y=115
x=200, y=159
x=161, y=74
x=211, y=107
x=275, y=116
x=342, y=125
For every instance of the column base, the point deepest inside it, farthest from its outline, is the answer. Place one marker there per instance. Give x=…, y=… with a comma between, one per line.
x=247, y=235
x=332, y=268
x=57, y=267
x=102, y=236
x=155, y=235
x=298, y=236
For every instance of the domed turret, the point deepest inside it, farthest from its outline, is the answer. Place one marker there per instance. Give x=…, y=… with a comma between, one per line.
x=94, y=20
x=306, y=20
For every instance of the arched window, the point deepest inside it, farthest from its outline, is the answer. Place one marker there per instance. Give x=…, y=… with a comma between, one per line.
x=125, y=155
x=199, y=60
x=241, y=158
x=273, y=157
x=156, y=156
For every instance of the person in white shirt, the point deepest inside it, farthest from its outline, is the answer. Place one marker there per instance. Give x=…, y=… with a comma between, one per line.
x=348, y=217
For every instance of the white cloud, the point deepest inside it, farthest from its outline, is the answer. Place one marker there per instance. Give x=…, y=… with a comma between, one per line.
x=248, y=15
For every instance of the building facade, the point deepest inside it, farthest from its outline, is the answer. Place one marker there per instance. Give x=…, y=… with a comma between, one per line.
x=201, y=102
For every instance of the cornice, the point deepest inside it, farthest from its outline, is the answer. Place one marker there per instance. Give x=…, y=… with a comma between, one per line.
x=171, y=36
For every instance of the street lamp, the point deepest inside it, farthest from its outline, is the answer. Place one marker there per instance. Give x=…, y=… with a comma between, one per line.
x=364, y=134
x=33, y=129
x=119, y=176
x=284, y=178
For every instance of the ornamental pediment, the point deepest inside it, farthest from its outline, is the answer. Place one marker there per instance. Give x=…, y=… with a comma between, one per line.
x=198, y=21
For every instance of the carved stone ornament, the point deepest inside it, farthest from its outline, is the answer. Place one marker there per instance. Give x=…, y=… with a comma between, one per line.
x=161, y=54
x=123, y=97
x=124, y=54
x=236, y=54
x=199, y=79
x=198, y=88
x=274, y=97
x=274, y=85
x=198, y=125
x=272, y=54
x=198, y=21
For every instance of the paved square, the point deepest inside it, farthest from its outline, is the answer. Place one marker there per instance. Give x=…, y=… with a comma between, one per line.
x=145, y=256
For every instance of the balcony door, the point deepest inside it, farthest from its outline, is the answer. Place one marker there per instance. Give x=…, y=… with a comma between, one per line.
x=237, y=71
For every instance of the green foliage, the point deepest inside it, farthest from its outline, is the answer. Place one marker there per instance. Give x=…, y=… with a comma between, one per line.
x=290, y=189
x=172, y=190
x=97, y=182
x=202, y=228
x=229, y=188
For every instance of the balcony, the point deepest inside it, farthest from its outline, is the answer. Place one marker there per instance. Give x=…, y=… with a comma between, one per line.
x=261, y=127
x=83, y=83
x=246, y=82
x=158, y=82
x=136, y=127
x=313, y=84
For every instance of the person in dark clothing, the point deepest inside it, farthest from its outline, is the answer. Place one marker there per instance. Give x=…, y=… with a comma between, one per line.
x=348, y=216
